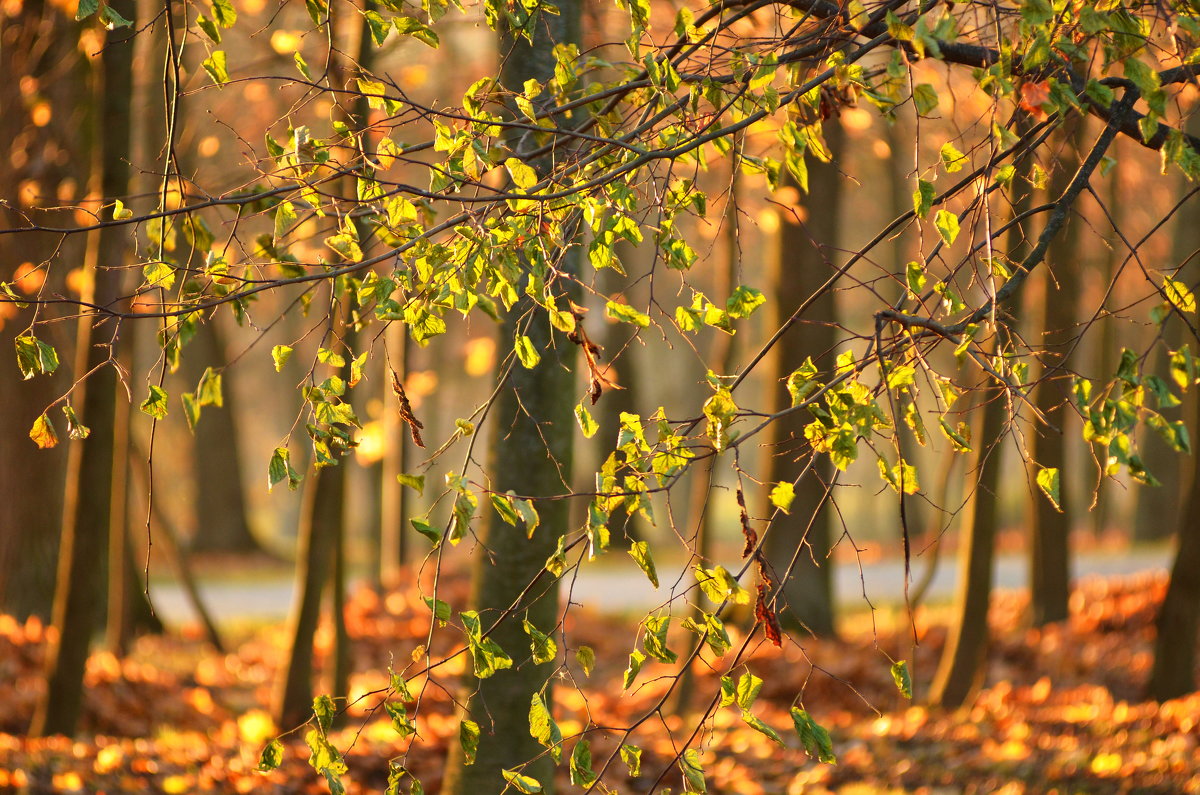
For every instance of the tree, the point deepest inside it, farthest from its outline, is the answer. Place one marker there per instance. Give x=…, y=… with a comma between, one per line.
x=485, y=209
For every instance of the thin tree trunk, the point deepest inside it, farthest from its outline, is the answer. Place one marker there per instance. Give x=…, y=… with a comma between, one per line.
x=1050, y=527
x=394, y=502
x=803, y=261
x=962, y=668
x=530, y=452
x=89, y=466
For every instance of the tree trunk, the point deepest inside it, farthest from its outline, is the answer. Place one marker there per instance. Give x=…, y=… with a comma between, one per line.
x=1174, y=672
x=1050, y=528
x=530, y=452
x=962, y=667
x=89, y=465
x=803, y=261
x=220, y=500
x=39, y=49
x=320, y=518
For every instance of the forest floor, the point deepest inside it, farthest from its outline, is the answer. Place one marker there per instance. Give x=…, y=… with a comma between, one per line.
x=1061, y=709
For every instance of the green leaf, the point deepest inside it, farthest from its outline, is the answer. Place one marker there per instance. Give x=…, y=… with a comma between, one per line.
x=542, y=646
x=415, y=482
x=77, y=430
x=43, y=433
x=216, y=67
x=586, y=423
x=156, y=403
x=813, y=736
x=543, y=728
x=208, y=393
x=719, y=586
x=120, y=211
x=582, y=774
x=407, y=26
x=113, y=20
x=526, y=353
x=1048, y=481
x=209, y=28
x=285, y=219
x=925, y=99
x=762, y=728
x=280, y=469
x=654, y=641
x=640, y=551
x=748, y=688
x=159, y=274
x=302, y=66
x=522, y=175
x=636, y=658
x=1179, y=295
x=427, y=530
x=522, y=783
x=35, y=357
x=224, y=13
x=191, y=410
x=441, y=610
x=902, y=678
x=923, y=198
x=693, y=771
x=271, y=756
x=504, y=507
x=743, y=302
x=85, y=9
x=626, y=314
x=914, y=274
x=468, y=737
x=280, y=355
x=947, y=226
x=952, y=159
x=324, y=711
x=631, y=755
x=782, y=496
x=586, y=657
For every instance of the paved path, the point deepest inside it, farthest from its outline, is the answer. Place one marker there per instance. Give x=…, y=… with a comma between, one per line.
x=613, y=588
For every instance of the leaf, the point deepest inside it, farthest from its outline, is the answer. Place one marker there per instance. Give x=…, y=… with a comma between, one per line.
x=582, y=774
x=748, y=688
x=427, y=530
x=271, y=756
x=216, y=67
x=640, y=552
x=756, y=723
x=208, y=393
x=112, y=19
x=541, y=646
x=302, y=66
x=209, y=28
x=1179, y=295
x=35, y=357
x=586, y=423
x=914, y=274
x=744, y=301
x=120, y=211
x=902, y=678
x=280, y=468
x=526, y=353
x=43, y=433
x=813, y=736
x=285, y=219
x=224, y=13
x=415, y=482
x=76, y=429
x=1048, y=481
x=923, y=198
x=586, y=657
x=159, y=274
x=522, y=783
x=782, y=496
x=947, y=226
x=636, y=658
x=952, y=159
x=85, y=9
x=280, y=355
x=693, y=771
x=504, y=507
x=156, y=403
x=522, y=175
x=407, y=26
x=468, y=737
x=925, y=99
x=191, y=410
x=543, y=728
x=626, y=314
x=631, y=755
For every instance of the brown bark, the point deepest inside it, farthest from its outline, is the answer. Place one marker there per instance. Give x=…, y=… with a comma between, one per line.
x=89, y=465
x=803, y=261
x=962, y=669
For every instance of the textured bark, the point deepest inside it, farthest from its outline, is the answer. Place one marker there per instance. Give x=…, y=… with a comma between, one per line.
x=803, y=261
x=962, y=667
x=89, y=465
x=1050, y=528
x=531, y=455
